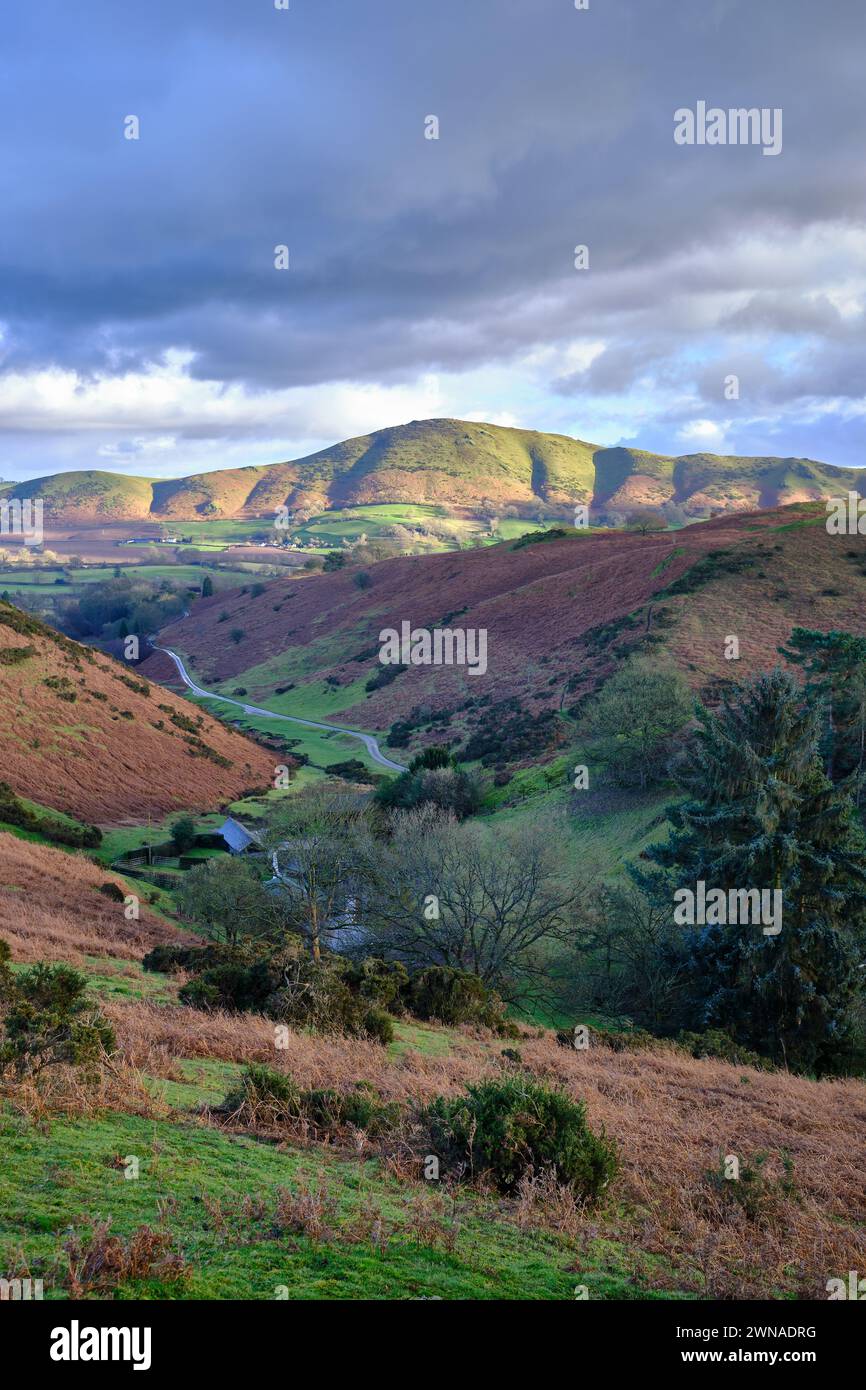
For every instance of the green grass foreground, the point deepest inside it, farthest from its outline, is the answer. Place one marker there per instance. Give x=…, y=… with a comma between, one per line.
x=192, y=1182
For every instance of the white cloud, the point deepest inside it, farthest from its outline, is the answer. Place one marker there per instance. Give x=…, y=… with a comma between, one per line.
x=702, y=435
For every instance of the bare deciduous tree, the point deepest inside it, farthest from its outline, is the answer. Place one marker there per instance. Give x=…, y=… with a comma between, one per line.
x=453, y=894
x=321, y=857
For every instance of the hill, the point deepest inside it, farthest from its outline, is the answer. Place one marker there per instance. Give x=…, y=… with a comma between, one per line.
x=89, y=736
x=559, y=612
x=464, y=466
x=51, y=908
x=346, y=1215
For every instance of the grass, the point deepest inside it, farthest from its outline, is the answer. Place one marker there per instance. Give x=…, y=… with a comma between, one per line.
x=320, y=746
x=112, y=979
x=193, y=1181
x=39, y=581
x=118, y=839
x=605, y=828
x=420, y=1037
x=317, y=700
x=252, y=808
x=224, y=532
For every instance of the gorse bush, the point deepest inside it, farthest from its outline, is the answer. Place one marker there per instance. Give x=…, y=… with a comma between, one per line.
x=450, y=996
x=330, y=995
x=511, y=1127
x=715, y=1042
x=282, y=982
x=381, y=982
x=362, y=1108
x=47, y=1019
x=267, y=1096
x=378, y=1025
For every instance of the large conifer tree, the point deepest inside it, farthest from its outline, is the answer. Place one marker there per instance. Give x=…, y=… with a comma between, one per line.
x=760, y=812
x=835, y=667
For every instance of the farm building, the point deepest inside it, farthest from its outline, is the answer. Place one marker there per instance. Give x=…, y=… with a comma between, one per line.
x=238, y=838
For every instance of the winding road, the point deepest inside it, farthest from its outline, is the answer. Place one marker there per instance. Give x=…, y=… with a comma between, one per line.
x=368, y=740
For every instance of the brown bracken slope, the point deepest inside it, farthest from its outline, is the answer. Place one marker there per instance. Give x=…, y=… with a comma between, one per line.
x=51, y=908
x=85, y=735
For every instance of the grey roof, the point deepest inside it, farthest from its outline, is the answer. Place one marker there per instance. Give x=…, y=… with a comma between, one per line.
x=236, y=836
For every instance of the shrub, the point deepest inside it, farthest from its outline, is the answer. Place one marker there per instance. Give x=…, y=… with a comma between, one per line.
x=362, y=1107
x=637, y=1040
x=384, y=676
x=379, y=1026
x=168, y=958
x=282, y=982
x=226, y=986
x=381, y=982
x=715, y=1042
x=48, y=1019
x=351, y=770
x=455, y=996
x=265, y=1094
x=113, y=892
x=274, y=1097
x=514, y=1127
x=330, y=995
x=98, y=1261
x=508, y=732
x=13, y=656
x=761, y=1195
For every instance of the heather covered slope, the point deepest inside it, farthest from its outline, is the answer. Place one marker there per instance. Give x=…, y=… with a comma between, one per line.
x=559, y=613
x=466, y=466
x=83, y=734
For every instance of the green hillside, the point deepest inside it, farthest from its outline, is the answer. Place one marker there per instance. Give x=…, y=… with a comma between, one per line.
x=464, y=467
x=82, y=495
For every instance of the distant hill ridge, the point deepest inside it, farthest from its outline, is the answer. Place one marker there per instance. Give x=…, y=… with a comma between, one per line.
x=460, y=464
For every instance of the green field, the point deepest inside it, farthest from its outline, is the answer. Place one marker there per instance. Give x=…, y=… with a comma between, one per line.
x=219, y=534
x=315, y=700
x=320, y=746
x=349, y=524
x=39, y=581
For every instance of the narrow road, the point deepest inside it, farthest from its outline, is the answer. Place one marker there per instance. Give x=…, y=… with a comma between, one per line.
x=368, y=740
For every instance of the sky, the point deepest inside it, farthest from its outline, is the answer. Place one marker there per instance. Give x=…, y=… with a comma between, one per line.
x=146, y=328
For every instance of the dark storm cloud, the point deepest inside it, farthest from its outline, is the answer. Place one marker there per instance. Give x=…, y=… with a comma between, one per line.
x=261, y=127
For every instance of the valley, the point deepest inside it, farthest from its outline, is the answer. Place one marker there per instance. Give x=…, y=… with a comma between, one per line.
x=291, y=660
